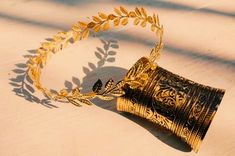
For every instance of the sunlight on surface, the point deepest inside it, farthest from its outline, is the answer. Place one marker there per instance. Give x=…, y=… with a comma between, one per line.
x=199, y=44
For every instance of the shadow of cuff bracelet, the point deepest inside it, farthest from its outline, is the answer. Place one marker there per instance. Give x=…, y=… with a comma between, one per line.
x=182, y=106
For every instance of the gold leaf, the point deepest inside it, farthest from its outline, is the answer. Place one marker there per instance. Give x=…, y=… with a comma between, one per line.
x=111, y=16
x=117, y=92
x=75, y=27
x=46, y=45
x=85, y=33
x=33, y=60
x=106, y=26
x=136, y=21
x=153, y=27
x=150, y=19
x=43, y=60
x=143, y=11
x=116, y=21
x=156, y=19
x=32, y=74
x=63, y=92
x=102, y=15
x=137, y=10
x=109, y=84
x=74, y=102
x=38, y=85
x=107, y=98
x=132, y=14
x=91, y=25
x=117, y=11
x=56, y=49
x=57, y=38
x=65, y=44
x=159, y=32
x=123, y=10
x=155, y=54
x=158, y=22
x=89, y=95
x=76, y=36
x=124, y=21
x=96, y=19
x=62, y=34
x=82, y=24
x=120, y=84
x=41, y=51
x=47, y=93
x=97, y=28
x=69, y=34
x=143, y=23
x=75, y=92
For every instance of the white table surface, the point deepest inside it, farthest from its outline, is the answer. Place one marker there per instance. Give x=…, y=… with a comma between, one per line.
x=199, y=45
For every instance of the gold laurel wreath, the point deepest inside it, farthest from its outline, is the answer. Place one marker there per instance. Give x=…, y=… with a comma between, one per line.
x=81, y=30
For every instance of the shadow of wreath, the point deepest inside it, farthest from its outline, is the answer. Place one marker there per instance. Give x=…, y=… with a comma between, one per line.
x=23, y=85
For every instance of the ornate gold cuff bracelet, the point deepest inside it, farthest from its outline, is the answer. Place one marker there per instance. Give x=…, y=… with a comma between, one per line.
x=182, y=106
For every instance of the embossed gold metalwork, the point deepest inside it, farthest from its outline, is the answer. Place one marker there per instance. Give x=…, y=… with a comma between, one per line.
x=184, y=107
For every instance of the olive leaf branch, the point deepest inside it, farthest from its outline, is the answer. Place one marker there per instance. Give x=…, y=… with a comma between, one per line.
x=81, y=30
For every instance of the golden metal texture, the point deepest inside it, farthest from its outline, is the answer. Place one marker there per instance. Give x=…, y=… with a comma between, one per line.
x=184, y=107
x=81, y=30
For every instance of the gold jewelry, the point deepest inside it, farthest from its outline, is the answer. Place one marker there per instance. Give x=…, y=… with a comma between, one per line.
x=81, y=30
x=182, y=106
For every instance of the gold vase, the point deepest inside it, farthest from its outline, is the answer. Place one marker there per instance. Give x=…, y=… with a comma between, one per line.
x=184, y=107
